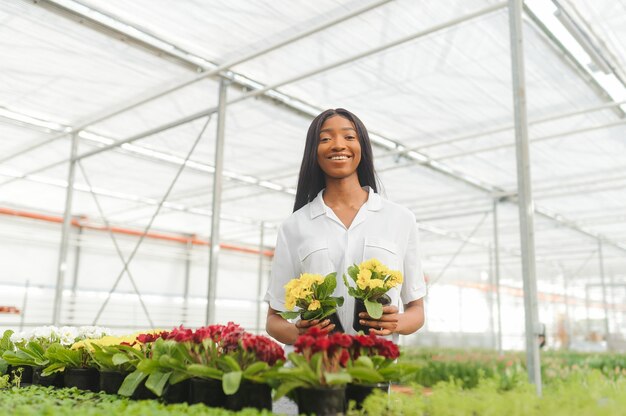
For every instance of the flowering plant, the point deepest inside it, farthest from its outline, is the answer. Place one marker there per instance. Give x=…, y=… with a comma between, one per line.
x=30, y=346
x=312, y=294
x=319, y=359
x=372, y=360
x=373, y=280
x=247, y=356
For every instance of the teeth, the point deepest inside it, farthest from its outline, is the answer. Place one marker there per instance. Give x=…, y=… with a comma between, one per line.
x=339, y=157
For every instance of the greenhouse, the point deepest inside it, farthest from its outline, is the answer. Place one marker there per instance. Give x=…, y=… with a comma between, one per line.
x=150, y=155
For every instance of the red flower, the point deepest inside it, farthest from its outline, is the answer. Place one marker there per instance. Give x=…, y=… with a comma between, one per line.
x=365, y=341
x=303, y=342
x=341, y=339
x=344, y=358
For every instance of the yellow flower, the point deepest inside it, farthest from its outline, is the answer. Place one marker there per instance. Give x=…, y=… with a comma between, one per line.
x=371, y=264
x=363, y=278
x=300, y=288
x=105, y=341
x=395, y=278
x=374, y=283
x=314, y=305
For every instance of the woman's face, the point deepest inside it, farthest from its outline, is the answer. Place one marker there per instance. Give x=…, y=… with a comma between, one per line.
x=338, y=149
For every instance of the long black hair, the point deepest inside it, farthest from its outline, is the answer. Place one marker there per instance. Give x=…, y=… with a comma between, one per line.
x=311, y=179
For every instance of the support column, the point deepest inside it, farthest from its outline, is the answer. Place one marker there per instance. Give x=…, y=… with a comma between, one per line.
x=259, y=287
x=489, y=295
x=72, y=316
x=188, y=250
x=65, y=233
x=214, y=247
x=496, y=267
x=524, y=195
x=607, y=333
x=568, y=325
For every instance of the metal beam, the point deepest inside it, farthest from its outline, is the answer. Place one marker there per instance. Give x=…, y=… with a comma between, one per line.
x=568, y=133
x=464, y=137
x=65, y=234
x=526, y=211
x=607, y=332
x=217, y=205
x=429, y=162
x=259, y=287
x=174, y=53
x=496, y=264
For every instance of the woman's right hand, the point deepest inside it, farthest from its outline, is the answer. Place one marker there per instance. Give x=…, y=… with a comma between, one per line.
x=303, y=325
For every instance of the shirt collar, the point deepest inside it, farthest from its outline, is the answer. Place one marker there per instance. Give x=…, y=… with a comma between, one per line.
x=318, y=207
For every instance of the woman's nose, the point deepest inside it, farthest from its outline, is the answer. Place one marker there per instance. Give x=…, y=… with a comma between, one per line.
x=339, y=144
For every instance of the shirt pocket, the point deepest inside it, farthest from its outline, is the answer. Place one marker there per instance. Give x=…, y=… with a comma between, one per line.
x=315, y=257
x=386, y=251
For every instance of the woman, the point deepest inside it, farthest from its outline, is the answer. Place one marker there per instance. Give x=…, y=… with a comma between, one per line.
x=338, y=220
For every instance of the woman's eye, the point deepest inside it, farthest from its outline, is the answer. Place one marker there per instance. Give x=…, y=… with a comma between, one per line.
x=350, y=137
x=324, y=139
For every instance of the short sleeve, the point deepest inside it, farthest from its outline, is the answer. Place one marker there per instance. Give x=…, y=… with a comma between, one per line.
x=283, y=270
x=414, y=286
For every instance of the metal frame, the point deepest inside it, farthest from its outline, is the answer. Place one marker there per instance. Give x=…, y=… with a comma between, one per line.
x=526, y=211
x=521, y=126
x=214, y=247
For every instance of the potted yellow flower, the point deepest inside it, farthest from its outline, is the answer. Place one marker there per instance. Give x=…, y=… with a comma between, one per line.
x=311, y=293
x=373, y=280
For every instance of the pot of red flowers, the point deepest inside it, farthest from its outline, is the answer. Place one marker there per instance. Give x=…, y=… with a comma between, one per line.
x=373, y=280
x=372, y=367
x=250, y=363
x=311, y=293
x=135, y=383
x=318, y=378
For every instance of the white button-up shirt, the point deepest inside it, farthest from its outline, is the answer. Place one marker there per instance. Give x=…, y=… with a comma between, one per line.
x=314, y=240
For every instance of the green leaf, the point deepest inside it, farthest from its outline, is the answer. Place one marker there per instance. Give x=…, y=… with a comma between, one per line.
x=5, y=342
x=120, y=358
x=334, y=379
x=364, y=374
x=364, y=361
x=202, y=371
x=353, y=272
x=289, y=314
x=338, y=299
x=287, y=387
x=231, y=363
x=156, y=382
x=231, y=382
x=131, y=382
x=255, y=368
x=53, y=368
x=374, y=309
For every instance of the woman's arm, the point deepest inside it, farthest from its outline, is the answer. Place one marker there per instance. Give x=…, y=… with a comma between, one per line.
x=284, y=331
x=404, y=323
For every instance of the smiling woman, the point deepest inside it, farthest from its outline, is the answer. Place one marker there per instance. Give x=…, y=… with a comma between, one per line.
x=339, y=220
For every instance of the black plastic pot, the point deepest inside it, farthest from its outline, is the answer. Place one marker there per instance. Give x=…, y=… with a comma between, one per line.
x=359, y=306
x=82, y=378
x=207, y=391
x=334, y=319
x=110, y=381
x=359, y=392
x=177, y=393
x=250, y=394
x=55, y=380
x=321, y=401
x=27, y=373
x=142, y=393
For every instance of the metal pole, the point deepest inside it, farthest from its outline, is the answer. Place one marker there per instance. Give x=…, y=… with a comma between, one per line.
x=496, y=264
x=65, y=233
x=568, y=325
x=489, y=296
x=525, y=201
x=214, y=247
x=259, y=288
x=75, y=273
x=188, y=250
x=24, y=303
x=607, y=333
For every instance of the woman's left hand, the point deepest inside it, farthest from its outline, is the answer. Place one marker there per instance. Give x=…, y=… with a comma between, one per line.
x=385, y=325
